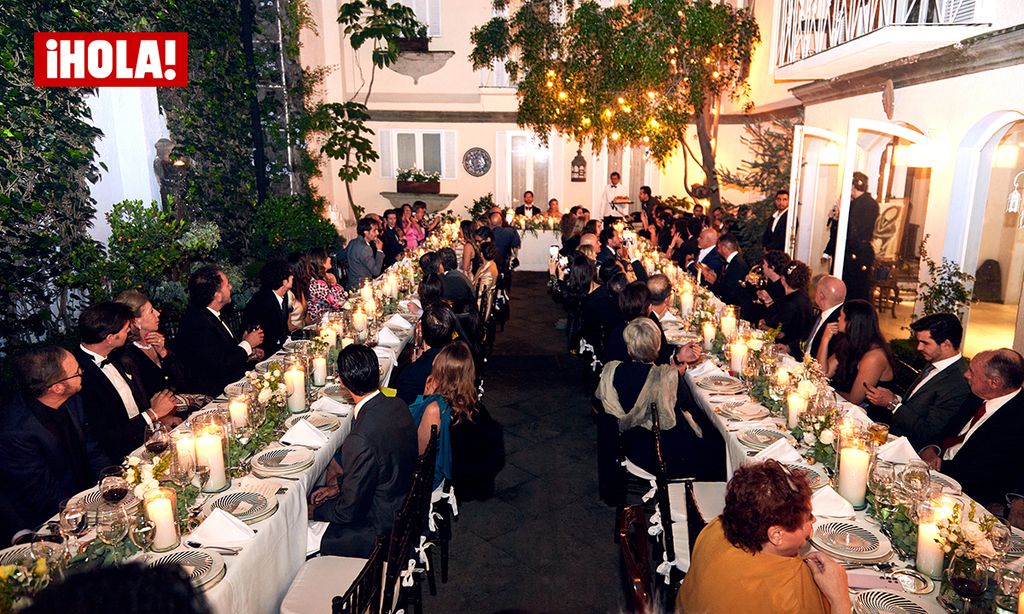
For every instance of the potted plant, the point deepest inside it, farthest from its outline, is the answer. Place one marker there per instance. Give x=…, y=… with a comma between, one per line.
x=415, y=181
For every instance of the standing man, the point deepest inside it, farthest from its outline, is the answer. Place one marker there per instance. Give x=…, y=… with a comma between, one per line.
x=924, y=411
x=212, y=356
x=829, y=296
x=527, y=208
x=614, y=201
x=117, y=410
x=726, y=283
x=457, y=287
x=774, y=236
x=365, y=253
x=393, y=246
x=506, y=241
x=268, y=309
x=860, y=256
x=707, y=255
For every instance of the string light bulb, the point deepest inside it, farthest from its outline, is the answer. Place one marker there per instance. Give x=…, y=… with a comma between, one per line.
x=608, y=113
x=562, y=95
x=715, y=75
x=551, y=73
x=615, y=135
x=550, y=84
x=582, y=100
x=585, y=121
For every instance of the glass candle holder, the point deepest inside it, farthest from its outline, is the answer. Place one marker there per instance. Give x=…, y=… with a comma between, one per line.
x=184, y=445
x=295, y=384
x=930, y=558
x=728, y=323
x=212, y=433
x=161, y=508
x=856, y=449
x=238, y=409
x=318, y=369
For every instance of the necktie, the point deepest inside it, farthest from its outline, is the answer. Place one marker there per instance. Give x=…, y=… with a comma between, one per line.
x=105, y=362
x=920, y=378
x=949, y=442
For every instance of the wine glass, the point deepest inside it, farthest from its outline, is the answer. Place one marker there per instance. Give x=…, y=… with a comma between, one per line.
x=112, y=525
x=74, y=521
x=999, y=534
x=112, y=485
x=51, y=554
x=157, y=438
x=142, y=532
x=1008, y=580
x=968, y=577
x=915, y=479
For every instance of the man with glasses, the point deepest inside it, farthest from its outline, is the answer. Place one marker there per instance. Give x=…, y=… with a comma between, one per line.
x=46, y=455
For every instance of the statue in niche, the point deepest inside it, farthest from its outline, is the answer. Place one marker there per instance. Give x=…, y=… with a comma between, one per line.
x=170, y=174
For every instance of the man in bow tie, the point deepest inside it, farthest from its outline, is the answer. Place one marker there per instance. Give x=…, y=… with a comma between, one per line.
x=116, y=408
x=268, y=309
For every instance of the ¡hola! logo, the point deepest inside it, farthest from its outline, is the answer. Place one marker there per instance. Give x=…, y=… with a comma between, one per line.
x=111, y=59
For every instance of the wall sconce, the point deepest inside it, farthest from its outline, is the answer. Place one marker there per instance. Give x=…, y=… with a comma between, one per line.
x=829, y=155
x=914, y=155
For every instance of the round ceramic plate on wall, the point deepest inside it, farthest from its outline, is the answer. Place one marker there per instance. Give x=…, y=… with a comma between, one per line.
x=476, y=161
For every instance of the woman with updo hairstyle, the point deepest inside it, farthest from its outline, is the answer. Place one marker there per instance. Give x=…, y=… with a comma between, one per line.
x=748, y=559
x=793, y=315
x=146, y=353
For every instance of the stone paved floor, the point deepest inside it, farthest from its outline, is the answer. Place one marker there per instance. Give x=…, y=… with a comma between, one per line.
x=543, y=543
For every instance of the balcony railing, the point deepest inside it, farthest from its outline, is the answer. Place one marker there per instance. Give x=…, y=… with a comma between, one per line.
x=808, y=27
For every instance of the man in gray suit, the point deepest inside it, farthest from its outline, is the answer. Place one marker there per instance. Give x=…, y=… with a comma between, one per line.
x=378, y=459
x=365, y=253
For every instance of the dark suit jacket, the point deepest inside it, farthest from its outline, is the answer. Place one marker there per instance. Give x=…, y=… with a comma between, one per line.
x=777, y=239
x=665, y=353
x=727, y=286
x=713, y=260
x=212, y=357
x=534, y=210
x=364, y=261
x=378, y=458
x=264, y=311
x=988, y=464
x=926, y=414
x=413, y=377
x=459, y=290
x=151, y=378
x=393, y=245
x=812, y=347
x=35, y=470
x=105, y=412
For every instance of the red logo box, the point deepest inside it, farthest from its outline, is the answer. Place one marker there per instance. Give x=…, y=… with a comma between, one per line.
x=111, y=59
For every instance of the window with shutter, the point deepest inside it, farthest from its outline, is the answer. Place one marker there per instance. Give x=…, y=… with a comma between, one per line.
x=387, y=162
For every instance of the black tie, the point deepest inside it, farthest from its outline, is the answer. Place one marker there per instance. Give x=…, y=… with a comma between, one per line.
x=105, y=362
x=920, y=377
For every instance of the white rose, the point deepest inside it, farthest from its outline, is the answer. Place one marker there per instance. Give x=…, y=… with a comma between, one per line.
x=277, y=373
x=281, y=387
x=133, y=461
x=129, y=475
x=264, y=395
x=139, y=491
x=145, y=473
x=984, y=548
x=972, y=532
x=809, y=438
x=755, y=345
x=827, y=437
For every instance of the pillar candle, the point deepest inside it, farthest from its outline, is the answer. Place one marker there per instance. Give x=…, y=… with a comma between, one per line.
x=366, y=292
x=160, y=512
x=709, y=335
x=329, y=335
x=930, y=556
x=728, y=325
x=371, y=306
x=295, y=383
x=782, y=378
x=686, y=303
x=796, y=404
x=853, y=475
x=239, y=410
x=359, y=321
x=210, y=453
x=319, y=371
x=737, y=356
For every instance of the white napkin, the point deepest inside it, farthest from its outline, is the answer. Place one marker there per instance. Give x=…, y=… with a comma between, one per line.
x=781, y=451
x=826, y=502
x=386, y=337
x=303, y=433
x=385, y=355
x=668, y=316
x=329, y=405
x=728, y=398
x=746, y=424
x=267, y=488
x=314, y=534
x=898, y=451
x=702, y=369
x=222, y=529
x=405, y=303
x=399, y=322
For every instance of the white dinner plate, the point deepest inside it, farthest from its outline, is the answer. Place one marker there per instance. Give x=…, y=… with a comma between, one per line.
x=759, y=438
x=204, y=567
x=246, y=505
x=720, y=383
x=886, y=602
x=815, y=475
x=338, y=393
x=22, y=552
x=851, y=541
x=323, y=421
x=284, y=460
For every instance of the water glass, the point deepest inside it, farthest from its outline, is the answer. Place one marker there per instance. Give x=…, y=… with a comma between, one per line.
x=915, y=479
x=112, y=525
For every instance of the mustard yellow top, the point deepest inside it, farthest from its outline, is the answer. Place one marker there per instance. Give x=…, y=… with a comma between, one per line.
x=726, y=579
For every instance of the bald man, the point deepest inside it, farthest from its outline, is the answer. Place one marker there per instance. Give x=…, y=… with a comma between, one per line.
x=829, y=296
x=591, y=240
x=707, y=254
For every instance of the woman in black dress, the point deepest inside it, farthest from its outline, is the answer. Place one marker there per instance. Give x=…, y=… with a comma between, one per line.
x=860, y=354
x=145, y=355
x=793, y=314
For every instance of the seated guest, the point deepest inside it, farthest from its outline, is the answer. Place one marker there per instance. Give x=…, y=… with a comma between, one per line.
x=378, y=458
x=47, y=455
x=592, y=227
x=634, y=302
x=324, y=294
x=697, y=220
x=553, y=208
x=793, y=315
x=572, y=230
x=146, y=355
x=365, y=253
x=763, y=284
x=707, y=255
x=691, y=446
x=436, y=325
x=297, y=297
x=676, y=248
x=661, y=298
x=448, y=397
x=430, y=263
x=506, y=241
x=926, y=408
x=116, y=408
x=392, y=244
x=430, y=291
x=580, y=282
x=212, y=356
x=725, y=283
x=458, y=289
x=415, y=233
x=829, y=294
x=601, y=308
x=614, y=253
x=859, y=357
x=528, y=208
x=979, y=446
x=748, y=559
x=127, y=588
x=663, y=226
x=268, y=308
x=589, y=240
x=470, y=248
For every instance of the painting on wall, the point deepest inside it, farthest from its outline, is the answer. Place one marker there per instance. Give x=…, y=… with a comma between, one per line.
x=892, y=221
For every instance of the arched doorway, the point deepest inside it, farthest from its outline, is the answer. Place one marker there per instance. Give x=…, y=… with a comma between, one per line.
x=813, y=188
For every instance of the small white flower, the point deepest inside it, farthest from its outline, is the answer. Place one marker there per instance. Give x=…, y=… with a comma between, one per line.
x=755, y=345
x=972, y=531
x=809, y=438
x=264, y=395
x=827, y=437
x=133, y=461
x=277, y=373
x=146, y=473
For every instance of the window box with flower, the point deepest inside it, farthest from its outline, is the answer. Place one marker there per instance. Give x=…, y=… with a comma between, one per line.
x=415, y=181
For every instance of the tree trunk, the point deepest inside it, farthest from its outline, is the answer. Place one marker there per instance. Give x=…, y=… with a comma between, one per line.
x=256, y=125
x=707, y=155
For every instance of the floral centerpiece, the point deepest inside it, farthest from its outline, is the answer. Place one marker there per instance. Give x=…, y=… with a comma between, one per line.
x=816, y=431
x=143, y=475
x=19, y=581
x=269, y=386
x=967, y=537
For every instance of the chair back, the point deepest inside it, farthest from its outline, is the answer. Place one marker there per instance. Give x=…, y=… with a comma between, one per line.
x=362, y=596
x=661, y=480
x=636, y=558
x=695, y=522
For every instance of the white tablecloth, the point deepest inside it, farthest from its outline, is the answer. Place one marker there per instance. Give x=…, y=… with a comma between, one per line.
x=533, y=255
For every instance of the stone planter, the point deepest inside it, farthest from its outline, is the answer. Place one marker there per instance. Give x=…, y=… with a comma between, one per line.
x=419, y=187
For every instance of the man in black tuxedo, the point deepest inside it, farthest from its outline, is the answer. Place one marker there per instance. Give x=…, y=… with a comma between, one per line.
x=661, y=298
x=726, y=282
x=393, y=244
x=378, y=459
x=46, y=455
x=268, y=309
x=212, y=355
x=829, y=296
x=707, y=255
x=116, y=408
x=458, y=289
x=613, y=252
x=924, y=411
x=527, y=208
x=774, y=236
x=697, y=221
x=860, y=256
x=980, y=448
x=436, y=325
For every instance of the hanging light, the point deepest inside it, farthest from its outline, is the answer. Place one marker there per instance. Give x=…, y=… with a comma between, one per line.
x=1013, y=201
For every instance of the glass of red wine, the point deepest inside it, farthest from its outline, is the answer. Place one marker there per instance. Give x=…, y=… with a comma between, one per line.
x=157, y=439
x=968, y=577
x=112, y=485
